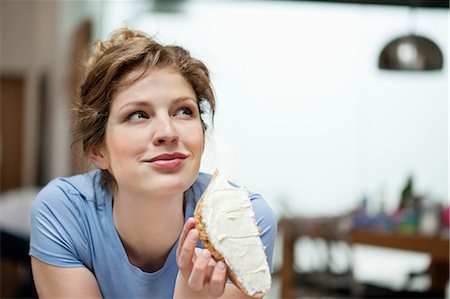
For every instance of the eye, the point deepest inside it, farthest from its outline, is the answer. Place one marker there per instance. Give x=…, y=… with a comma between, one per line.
x=185, y=111
x=137, y=115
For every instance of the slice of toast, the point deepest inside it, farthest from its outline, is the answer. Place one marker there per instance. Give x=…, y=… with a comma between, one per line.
x=227, y=227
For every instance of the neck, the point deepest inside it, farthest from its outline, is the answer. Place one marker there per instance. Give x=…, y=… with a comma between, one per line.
x=148, y=227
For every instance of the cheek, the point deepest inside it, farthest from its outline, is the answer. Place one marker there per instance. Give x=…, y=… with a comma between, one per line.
x=122, y=143
x=200, y=140
x=202, y=148
x=196, y=139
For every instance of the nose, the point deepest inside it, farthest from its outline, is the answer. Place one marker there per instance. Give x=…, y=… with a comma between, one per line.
x=165, y=131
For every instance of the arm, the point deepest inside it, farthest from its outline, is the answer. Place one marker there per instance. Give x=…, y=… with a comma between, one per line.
x=58, y=246
x=200, y=276
x=59, y=282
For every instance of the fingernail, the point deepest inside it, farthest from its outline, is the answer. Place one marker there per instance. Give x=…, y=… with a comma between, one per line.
x=193, y=235
x=205, y=254
x=221, y=266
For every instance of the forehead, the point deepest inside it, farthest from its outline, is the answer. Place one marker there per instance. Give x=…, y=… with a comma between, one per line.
x=153, y=82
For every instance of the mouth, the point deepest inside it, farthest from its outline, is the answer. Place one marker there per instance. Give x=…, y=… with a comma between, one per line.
x=167, y=161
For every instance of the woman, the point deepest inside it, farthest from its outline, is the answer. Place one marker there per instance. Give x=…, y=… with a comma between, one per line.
x=126, y=229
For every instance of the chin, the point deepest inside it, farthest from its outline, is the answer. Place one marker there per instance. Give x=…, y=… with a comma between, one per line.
x=175, y=185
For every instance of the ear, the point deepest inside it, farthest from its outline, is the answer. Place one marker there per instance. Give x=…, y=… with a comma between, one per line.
x=99, y=158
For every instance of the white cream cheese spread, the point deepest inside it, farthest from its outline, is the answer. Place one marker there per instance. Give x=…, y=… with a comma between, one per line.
x=231, y=227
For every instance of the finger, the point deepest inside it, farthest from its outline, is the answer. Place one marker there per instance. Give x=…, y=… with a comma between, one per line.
x=197, y=251
x=217, y=281
x=185, y=257
x=197, y=278
x=190, y=224
x=211, y=264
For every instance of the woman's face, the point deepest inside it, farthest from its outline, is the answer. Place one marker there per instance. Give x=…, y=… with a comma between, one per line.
x=154, y=138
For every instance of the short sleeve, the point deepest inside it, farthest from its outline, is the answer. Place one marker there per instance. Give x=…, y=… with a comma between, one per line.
x=57, y=236
x=266, y=221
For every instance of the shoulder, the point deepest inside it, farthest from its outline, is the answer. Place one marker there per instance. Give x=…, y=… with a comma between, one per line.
x=67, y=193
x=64, y=218
x=81, y=185
x=201, y=183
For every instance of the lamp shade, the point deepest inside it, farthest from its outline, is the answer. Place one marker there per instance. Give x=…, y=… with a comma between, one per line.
x=411, y=53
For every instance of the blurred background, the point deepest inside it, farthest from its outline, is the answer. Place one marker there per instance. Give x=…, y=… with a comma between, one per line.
x=335, y=111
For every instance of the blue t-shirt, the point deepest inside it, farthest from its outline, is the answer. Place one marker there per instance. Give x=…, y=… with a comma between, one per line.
x=72, y=226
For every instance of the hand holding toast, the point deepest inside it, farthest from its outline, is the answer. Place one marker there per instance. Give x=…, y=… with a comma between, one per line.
x=197, y=267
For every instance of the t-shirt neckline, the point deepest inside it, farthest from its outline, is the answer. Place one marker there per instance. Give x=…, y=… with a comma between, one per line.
x=170, y=261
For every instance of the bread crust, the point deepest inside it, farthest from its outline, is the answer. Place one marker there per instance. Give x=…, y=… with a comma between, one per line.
x=200, y=226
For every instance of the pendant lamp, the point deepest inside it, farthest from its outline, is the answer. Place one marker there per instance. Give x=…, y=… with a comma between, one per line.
x=411, y=52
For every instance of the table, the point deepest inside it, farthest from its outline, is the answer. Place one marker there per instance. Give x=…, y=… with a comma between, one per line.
x=332, y=228
x=437, y=248
x=291, y=229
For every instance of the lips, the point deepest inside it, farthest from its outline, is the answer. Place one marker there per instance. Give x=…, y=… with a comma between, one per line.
x=168, y=161
x=167, y=157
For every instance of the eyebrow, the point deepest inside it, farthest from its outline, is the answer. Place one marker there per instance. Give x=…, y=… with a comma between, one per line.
x=143, y=103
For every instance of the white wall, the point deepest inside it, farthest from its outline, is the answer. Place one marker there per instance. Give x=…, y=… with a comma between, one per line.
x=304, y=115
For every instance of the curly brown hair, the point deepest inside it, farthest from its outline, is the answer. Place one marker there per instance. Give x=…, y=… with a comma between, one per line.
x=109, y=61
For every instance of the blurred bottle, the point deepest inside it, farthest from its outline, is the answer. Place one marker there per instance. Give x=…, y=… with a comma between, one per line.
x=430, y=218
x=407, y=193
x=406, y=217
